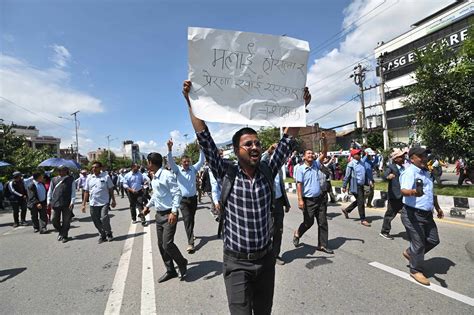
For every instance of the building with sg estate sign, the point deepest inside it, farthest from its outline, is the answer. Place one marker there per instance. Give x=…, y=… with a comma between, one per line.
x=449, y=25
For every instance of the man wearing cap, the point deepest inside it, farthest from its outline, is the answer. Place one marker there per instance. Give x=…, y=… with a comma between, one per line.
x=356, y=178
x=416, y=187
x=61, y=197
x=18, y=196
x=395, y=204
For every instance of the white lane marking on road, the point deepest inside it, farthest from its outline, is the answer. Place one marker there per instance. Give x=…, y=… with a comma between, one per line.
x=148, y=303
x=114, y=303
x=434, y=287
x=14, y=230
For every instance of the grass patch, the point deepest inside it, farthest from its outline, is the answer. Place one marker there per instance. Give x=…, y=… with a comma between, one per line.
x=442, y=190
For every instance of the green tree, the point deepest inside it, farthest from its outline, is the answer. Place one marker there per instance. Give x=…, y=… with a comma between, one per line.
x=268, y=136
x=441, y=100
x=375, y=140
x=26, y=159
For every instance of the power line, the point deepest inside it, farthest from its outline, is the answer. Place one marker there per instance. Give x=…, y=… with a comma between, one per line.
x=334, y=109
x=30, y=111
x=332, y=38
x=339, y=37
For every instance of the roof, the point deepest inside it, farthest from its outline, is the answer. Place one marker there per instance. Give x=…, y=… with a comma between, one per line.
x=439, y=12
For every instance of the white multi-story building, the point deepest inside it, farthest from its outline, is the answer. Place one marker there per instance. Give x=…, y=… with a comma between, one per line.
x=36, y=141
x=449, y=25
x=131, y=150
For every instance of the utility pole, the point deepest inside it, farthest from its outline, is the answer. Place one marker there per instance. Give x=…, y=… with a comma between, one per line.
x=359, y=77
x=386, y=143
x=77, y=138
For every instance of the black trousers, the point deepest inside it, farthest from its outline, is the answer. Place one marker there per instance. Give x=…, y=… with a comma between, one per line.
x=278, y=216
x=370, y=196
x=393, y=208
x=315, y=208
x=39, y=216
x=188, y=208
x=18, y=205
x=122, y=190
x=168, y=249
x=136, y=201
x=249, y=284
x=62, y=227
x=359, y=202
x=1, y=200
x=423, y=234
x=100, y=217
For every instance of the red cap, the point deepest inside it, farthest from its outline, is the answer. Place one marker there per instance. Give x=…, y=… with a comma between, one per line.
x=355, y=151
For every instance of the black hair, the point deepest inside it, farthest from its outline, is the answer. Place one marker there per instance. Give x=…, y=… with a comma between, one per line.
x=155, y=159
x=184, y=156
x=98, y=163
x=36, y=175
x=244, y=131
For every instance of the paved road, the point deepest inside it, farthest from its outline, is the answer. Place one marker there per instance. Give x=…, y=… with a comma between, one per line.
x=40, y=275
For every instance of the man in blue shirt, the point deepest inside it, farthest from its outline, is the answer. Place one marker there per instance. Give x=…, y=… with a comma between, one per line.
x=99, y=190
x=166, y=199
x=356, y=177
x=310, y=198
x=416, y=186
x=37, y=203
x=369, y=164
x=186, y=177
x=133, y=183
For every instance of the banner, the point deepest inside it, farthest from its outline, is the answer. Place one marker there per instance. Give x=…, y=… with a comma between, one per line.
x=247, y=78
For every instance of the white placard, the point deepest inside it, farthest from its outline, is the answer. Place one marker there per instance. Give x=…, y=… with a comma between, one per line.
x=247, y=78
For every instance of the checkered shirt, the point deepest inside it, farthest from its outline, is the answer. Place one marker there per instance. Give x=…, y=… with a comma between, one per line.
x=248, y=206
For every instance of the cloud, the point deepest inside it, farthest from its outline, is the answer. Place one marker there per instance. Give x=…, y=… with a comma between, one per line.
x=329, y=83
x=61, y=56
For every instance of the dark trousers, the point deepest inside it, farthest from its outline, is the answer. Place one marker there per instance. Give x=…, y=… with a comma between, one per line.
x=101, y=219
x=39, y=217
x=122, y=190
x=462, y=177
x=393, y=207
x=315, y=208
x=136, y=201
x=249, y=284
x=168, y=249
x=359, y=202
x=370, y=196
x=423, y=235
x=278, y=216
x=83, y=192
x=1, y=200
x=17, y=205
x=188, y=208
x=330, y=192
x=66, y=214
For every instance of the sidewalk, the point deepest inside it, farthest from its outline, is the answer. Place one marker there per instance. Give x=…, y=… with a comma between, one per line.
x=456, y=207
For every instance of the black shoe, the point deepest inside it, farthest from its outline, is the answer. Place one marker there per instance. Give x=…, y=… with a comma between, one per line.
x=296, y=240
x=36, y=230
x=182, y=270
x=386, y=235
x=167, y=276
x=101, y=239
x=65, y=239
x=60, y=237
x=134, y=221
x=110, y=237
x=23, y=223
x=279, y=261
x=346, y=214
x=326, y=250
x=15, y=225
x=144, y=223
x=43, y=231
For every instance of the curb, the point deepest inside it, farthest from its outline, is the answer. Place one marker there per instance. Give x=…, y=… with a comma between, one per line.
x=459, y=207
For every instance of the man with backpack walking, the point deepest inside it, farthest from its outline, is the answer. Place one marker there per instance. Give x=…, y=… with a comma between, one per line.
x=247, y=198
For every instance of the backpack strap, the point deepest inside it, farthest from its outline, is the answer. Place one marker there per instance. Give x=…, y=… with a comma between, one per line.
x=228, y=183
x=268, y=174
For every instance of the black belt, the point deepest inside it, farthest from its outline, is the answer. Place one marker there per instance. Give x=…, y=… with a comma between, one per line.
x=420, y=211
x=312, y=198
x=249, y=256
x=189, y=197
x=163, y=212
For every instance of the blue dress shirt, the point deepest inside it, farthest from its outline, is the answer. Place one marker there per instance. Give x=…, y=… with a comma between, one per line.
x=215, y=188
x=186, y=178
x=308, y=176
x=278, y=193
x=41, y=190
x=133, y=180
x=166, y=192
x=407, y=181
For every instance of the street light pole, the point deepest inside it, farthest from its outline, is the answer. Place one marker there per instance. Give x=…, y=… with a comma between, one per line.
x=77, y=138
